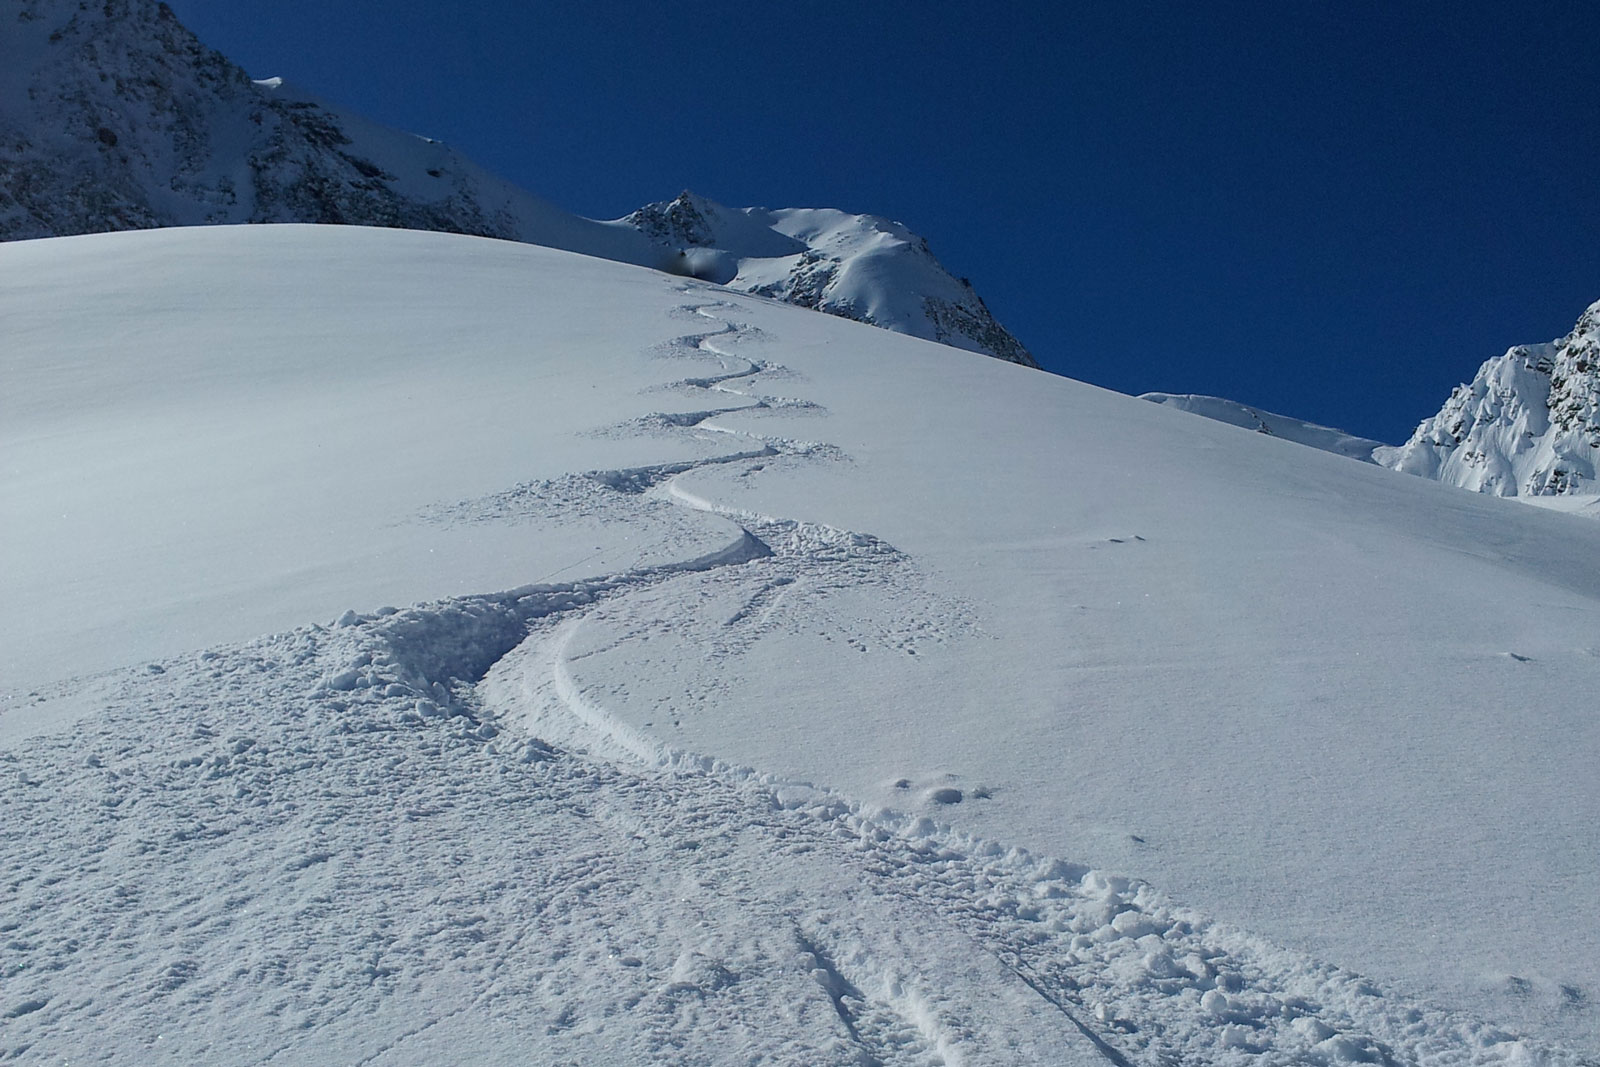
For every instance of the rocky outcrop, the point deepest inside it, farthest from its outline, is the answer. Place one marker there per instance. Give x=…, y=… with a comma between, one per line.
x=861, y=267
x=1528, y=424
x=121, y=119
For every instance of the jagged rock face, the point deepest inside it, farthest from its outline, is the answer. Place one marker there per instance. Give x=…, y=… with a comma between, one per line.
x=1527, y=425
x=119, y=118
x=113, y=116
x=681, y=222
x=81, y=115
x=970, y=319
x=1575, y=382
x=860, y=267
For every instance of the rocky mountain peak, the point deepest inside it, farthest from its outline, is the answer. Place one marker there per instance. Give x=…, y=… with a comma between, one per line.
x=113, y=116
x=681, y=221
x=1528, y=424
x=1575, y=381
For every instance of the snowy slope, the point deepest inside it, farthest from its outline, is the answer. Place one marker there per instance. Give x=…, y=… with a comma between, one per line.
x=1133, y=738
x=113, y=116
x=1290, y=429
x=1527, y=425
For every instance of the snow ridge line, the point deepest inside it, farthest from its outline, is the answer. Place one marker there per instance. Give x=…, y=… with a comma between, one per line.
x=454, y=642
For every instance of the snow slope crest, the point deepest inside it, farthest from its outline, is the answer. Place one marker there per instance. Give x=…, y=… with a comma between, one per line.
x=1265, y=422
x=113, y=116
x=1528, y=424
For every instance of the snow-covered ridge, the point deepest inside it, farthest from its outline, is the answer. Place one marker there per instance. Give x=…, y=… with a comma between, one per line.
x=861, y=267
x=1290, y=429
x=113, y=116
x=1527, y=425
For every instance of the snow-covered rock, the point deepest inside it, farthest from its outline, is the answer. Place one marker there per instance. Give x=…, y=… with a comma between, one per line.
x=113, y=116
x=860, y=267
x=1290, y=429
x=1527, y=425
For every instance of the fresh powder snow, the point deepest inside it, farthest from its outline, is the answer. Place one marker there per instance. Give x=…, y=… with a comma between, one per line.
x=430, y=648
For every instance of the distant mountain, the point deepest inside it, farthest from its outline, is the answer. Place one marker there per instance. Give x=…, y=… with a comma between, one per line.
x=1528, y=425
x=113, y=116
x=861, y=267
x=1290, y=429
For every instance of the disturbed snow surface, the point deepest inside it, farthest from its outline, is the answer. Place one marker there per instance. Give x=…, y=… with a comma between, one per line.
x=330, y=846
x=502, y=826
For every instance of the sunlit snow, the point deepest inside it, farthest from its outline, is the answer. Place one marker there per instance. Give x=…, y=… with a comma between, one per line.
x=658, y=673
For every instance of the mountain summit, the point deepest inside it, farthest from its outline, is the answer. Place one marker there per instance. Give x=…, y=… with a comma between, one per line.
x=861, y=267
x=113, y=116
x=1527, y=425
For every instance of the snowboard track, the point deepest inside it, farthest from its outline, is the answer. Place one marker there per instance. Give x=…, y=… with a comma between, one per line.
x=553, y=789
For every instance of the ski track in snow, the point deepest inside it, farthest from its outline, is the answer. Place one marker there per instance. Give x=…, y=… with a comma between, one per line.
x=413, y=834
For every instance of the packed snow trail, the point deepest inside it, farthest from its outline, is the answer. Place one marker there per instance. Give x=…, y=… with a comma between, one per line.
x=284, y=852
x=414, y=835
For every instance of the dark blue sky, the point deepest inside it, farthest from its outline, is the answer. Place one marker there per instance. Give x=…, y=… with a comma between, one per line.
x=1333, y=210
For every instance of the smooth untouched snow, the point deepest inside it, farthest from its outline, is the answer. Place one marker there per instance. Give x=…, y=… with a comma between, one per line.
x=672, y=552
x=1299, y=431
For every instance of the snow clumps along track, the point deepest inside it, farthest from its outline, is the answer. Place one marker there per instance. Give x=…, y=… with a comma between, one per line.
x=413, y=835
